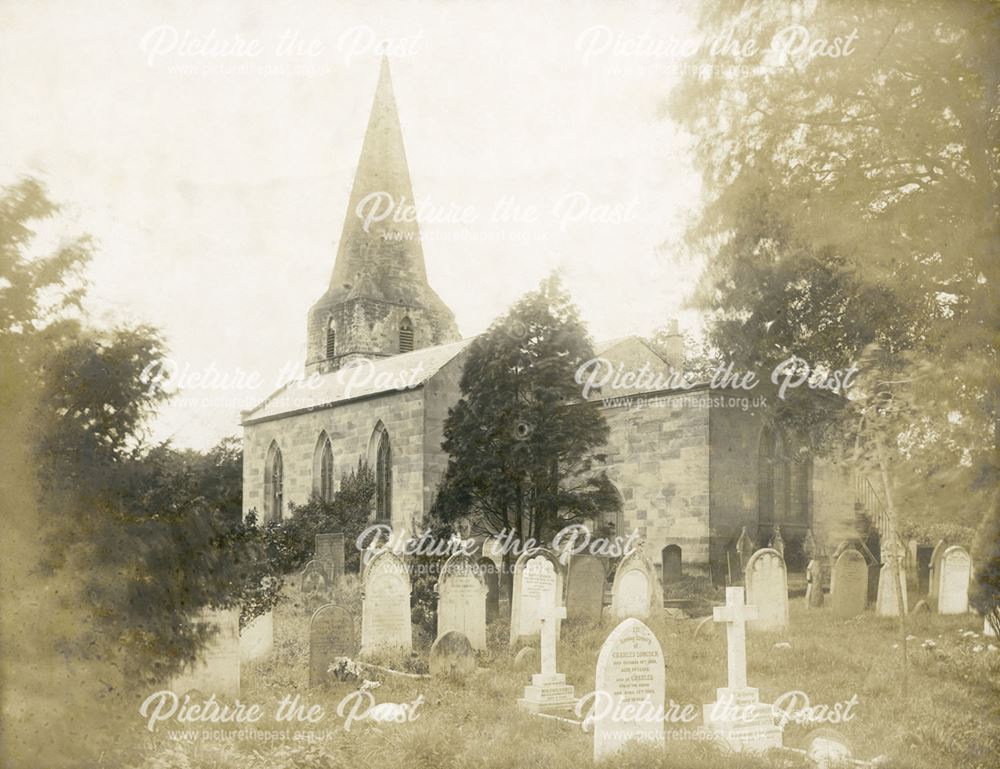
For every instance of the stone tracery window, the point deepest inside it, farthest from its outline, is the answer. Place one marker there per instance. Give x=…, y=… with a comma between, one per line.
x=383, y=479
x=274, y=484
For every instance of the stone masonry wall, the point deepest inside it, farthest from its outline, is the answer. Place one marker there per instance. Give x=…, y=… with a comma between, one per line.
x=350, y=427
x=658, y=458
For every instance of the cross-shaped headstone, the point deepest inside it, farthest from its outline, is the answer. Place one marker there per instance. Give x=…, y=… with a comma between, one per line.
x=549, y=617
x=736, y=613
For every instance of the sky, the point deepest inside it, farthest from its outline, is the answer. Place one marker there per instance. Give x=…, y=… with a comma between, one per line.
x=209, y=149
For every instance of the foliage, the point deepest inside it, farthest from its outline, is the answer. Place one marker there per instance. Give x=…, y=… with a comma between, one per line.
x=852, y=219
x=985, y=594
x=289, y=543
x=523, y=449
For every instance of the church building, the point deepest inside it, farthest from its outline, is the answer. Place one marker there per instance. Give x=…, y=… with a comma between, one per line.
x=693, y=467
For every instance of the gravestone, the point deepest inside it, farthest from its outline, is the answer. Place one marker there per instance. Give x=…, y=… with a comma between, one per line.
x=777, y=542
x=329, y=550
x=548, y=691
x=585, y=587
x=452, y=655
x=849, y=584
x=934, y=574
x=537, y=587
x=767, y=589
x=809, y=546
x=885, y=601
x=672, y=566
x=924, y=553
x=385, y=605
x=461, y=592
x=636, y=591
x=738, y=718
x=745, y=548
x=217, y=668
x=630, y=672
x=331, y=635
x=491, y=576
x=953, y=587
x=315, y=578
x=814, y=585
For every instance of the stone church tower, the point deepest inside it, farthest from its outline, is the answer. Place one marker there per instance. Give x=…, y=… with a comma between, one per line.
x=379, y=302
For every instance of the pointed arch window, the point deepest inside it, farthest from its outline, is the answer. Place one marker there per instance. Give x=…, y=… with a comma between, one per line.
x=274, y=484
x=331, y=340
x=383, y=479
x=406, y=335
x=326, y=471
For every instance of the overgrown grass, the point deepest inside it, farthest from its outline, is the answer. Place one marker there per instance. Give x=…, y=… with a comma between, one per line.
x=948, y=718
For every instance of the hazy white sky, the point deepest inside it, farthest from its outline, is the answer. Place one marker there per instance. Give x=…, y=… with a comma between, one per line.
x=213, y=166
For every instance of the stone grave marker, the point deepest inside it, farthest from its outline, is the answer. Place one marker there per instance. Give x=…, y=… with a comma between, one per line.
x=673, y=568
x=331, y=635
x=777, y=542
x=923, y=560
x=537, y=588
x=849, y=584
x=885, y=601
x=461, y=592
x=630, y=672
x=745, y=548
x=827, y=749
x=814, y=585
x=452, y=655
x=491, y=576
x=385, y=606
x=953, y=587
x=636, y=590
x=329, y=550
x=217, y=669
x=314, y=578
x=738, y=717
x=585, y=587
x=548, y=691
x=767, y=589
x=934, y=574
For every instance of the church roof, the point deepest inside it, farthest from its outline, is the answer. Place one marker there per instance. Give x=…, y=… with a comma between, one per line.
x=360, y=380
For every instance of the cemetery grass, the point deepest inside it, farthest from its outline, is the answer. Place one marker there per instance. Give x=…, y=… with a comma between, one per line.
x=948, y=718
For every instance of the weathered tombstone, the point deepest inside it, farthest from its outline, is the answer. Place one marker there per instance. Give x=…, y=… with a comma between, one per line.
x=673, y=568
x=315, y=578
x=329, y=550
x=849, y=584
x=217, y=668
x=934, y=574
x=462, y=593
x=526, y=658
x=548, y=690
x=257, y=636
x=491, y=576
x=737, y=717
x=924, y=553
x=331, y=635
x=809, y=545
x=777, y=542
x=385, y=606
x=745, y=547
x=537, y=587
x=636, y=591
x=814, y=585
x=452, y=655
x=953, y=588
x=885, y=602
x=767, y=589
x=585, y=587
x=630, y=673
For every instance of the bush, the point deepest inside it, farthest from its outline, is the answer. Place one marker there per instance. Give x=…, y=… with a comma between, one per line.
x=985, y=596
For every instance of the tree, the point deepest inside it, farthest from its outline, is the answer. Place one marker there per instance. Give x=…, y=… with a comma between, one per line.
x=851, y=217
x=117, y=544
x=852, y=214
x=523, y=447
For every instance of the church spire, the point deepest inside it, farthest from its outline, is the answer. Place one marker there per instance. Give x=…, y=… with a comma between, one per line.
x=379, y=302
x=381, y=188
